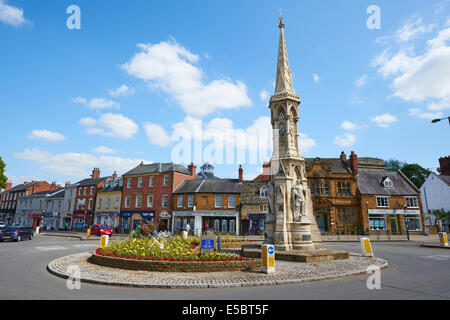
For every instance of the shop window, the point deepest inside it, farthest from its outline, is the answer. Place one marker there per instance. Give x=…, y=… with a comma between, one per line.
x=412, y=223
x=377, y=223
x=224, y=226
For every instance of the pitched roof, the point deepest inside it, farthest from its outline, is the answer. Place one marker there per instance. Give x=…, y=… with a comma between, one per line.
x=158, y=168
x=58, y=193
x=90, y=181
x=336, y=165
x=112, y=185
x=446, y=179
x=23, y=186
x=370, y=182
x=209, y=186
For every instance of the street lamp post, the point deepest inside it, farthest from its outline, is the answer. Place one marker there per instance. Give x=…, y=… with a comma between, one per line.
x=406, y=221
x=437, y=120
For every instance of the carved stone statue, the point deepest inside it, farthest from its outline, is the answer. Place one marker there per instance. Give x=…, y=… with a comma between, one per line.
x=298, y=201
x=271, y=199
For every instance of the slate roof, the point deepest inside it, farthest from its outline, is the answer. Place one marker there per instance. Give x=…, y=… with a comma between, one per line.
x=90, y=181
x=157, y=168
x=114, y=185
x=23, y=187
x=250, y=192
x=369, y=182
x=336, y=165
x=47, y=192
x=58, y=193
x=446, y=179
x=209, y=186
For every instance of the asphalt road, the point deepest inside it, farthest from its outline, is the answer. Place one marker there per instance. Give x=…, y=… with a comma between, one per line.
x=415, y=273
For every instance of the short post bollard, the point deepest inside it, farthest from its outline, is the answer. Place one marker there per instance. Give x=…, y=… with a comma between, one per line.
x=88, y=233
x=443, y=239
x=104, y=241
x=366, y=247
x=267, y=258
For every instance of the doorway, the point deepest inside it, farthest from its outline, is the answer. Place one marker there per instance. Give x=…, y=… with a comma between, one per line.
x=322, y=221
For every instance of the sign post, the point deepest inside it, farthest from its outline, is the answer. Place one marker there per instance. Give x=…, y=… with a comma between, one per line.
x=366, y=247
x=104, y=241
x=443, y=239
x=208, y=244
x=267, y=258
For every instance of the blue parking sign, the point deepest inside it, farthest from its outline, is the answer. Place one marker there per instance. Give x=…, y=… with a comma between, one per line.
x=270, y=250
x=207, y=244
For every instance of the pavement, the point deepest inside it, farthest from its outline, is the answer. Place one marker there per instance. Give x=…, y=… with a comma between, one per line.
x=285, y=273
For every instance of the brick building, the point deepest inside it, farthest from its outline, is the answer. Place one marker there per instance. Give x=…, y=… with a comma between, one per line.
x=390, y=202
x=147, y=193
x=85, y=197
x=10, y=197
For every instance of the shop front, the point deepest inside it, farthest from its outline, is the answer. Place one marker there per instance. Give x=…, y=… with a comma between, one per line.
x=256, y=224
x=131, y=219
x=36, y=220
x=394, y=221
x=164, y=221
x=110, y=219
x=206, y=222
x=81, y=221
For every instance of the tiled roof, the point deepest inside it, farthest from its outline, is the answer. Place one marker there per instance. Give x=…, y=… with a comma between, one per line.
x=369, y=182
x=23, y=186
x=209, y=186
x=158, y=167
x=446, y=179
x=90, y=181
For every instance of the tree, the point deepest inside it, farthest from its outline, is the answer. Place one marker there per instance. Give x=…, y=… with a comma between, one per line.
x=394, y=165
x=415, y=173
x=3, y=178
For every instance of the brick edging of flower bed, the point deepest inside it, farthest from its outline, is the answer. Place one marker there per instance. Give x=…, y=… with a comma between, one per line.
x=175, y=266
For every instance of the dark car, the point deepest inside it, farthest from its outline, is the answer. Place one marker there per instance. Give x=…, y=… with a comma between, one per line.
x=100, y=230
x=16, y=233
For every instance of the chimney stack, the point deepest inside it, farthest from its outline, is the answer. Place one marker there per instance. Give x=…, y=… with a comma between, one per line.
x=114, y=175
x=444, y=166
x=343, y=156
x=96, y=173
x=192, y=169
x=53, y=186
x=142, y=163
x=241, y=171
x=354, y=162
x=8, y=185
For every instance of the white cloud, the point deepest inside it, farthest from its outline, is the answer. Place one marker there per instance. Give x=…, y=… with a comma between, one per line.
x=416, y=112
x=420, y=78
x=156, y=134
x=384, y=120
x=345, y=140
x=104, y=150
x=361, y=81
x=349, y=125
x=77, y=165
x=88, y=122
x=97, y=103
x=111, y=125
x=411, y=29
x=171, y=67
x=316, y=78
x=46, y=135
x=358, y=100
x=123, y=90
x=264, y=95
x=11, y=15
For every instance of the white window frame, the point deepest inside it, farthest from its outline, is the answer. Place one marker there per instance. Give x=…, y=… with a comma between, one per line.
x=151, y=181
x=166, y=181
x=218, y=199
x=150, y=202
x=231, y=204
x=382, y=197
x=138, y=201
x=414, y=200
x=263, y=192
x=127, y=202
x=139, y=182
x=164, y=200
x=116, y=203
x=190, y=201
x=129, y=183
x=180, y=201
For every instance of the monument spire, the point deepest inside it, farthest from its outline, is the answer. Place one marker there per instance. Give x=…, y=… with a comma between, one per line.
x=284, y=77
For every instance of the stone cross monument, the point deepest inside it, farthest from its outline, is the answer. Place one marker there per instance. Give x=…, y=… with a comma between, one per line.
x=290, y=225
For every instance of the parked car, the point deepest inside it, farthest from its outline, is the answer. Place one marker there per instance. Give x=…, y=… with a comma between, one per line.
x=16, y=233
x=100, y=230
x=2, y=225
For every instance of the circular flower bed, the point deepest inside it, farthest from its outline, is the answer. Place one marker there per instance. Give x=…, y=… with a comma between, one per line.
x=161, y=255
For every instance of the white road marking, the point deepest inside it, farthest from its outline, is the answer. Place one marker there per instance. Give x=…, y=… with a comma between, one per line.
x=438, y=257
x=90, y=245
x=51, y=248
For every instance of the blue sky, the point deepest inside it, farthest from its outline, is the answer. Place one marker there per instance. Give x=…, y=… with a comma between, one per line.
x=138, y=76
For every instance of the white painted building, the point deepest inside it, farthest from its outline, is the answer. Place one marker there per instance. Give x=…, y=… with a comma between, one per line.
x=435, y=196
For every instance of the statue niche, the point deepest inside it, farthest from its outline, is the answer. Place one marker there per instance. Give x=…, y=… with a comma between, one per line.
x=298, y=201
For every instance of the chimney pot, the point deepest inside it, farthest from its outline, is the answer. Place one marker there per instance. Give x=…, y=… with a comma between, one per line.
x=241, y=171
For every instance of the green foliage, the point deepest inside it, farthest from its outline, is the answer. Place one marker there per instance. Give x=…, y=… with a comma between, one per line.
x=416, y=174
x=394, y=165
x=3, y=178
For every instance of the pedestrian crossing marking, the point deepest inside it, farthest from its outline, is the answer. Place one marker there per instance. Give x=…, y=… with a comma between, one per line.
x=50, y=248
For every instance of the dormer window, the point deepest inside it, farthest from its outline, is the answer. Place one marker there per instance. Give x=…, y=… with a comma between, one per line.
x=387, y=183
x=263, y=192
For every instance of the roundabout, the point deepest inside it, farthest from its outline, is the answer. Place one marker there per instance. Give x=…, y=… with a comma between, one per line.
x=287, y=272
